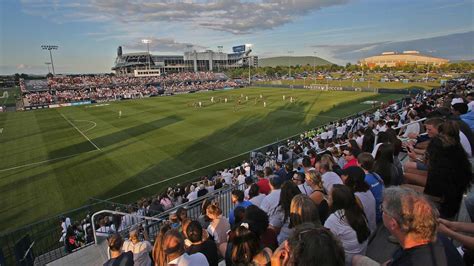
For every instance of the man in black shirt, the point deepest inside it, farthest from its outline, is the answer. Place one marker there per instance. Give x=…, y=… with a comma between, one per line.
x=117, y=257
x=207, y=247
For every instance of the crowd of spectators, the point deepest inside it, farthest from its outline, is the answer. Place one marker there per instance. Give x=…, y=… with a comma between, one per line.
x=67, y=89
x=323, y=197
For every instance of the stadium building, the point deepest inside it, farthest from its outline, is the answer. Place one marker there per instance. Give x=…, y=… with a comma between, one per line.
x=146, y=64
x=393, y=59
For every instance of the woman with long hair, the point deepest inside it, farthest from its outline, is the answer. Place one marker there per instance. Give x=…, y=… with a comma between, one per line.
x=347, y=221
x=310, y=245
x=246, y=248
x=318, y=196
x=449, y=170
x=157, y=253
x=354, y=178
x=385, y=167
x=281, y=221
x=368, y=140
x=303, y=210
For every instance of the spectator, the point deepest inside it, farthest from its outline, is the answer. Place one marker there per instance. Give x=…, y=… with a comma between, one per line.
x=246, y=249
x=350, y=155
x=299, y=179
x=413, y=129
x=207, y=246
x=218, y=227
x=449, y=170
x=238, y=201
x=280, y=170
x=263, y=183
x=117, y=257
x=310, y=245
x=255, y=197
x=385, y=167
x=258, y=220
x=166, y=202
x=248, y=183
x=347, y=222
x=366, y=162
x=318, y=196
x=140, y=249
x=354, y=178
x=173, y=247
x=411, y=219
x=202, y=191
x=158, y=255
x=203, y=219
x=328, y=177
x=280, y=221
x=270, y=202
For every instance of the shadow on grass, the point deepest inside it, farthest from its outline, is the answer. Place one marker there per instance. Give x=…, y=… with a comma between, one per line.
x=243, y=135
x=116, y=137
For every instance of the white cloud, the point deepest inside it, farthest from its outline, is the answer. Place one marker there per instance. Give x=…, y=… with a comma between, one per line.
x=233, y=16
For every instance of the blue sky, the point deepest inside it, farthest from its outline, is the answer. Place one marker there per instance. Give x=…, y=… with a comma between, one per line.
x=89, y=31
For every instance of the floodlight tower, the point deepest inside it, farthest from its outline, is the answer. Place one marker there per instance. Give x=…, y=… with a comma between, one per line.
x=314, y=68
x=248, y=57
x=289, y=66
x=49, y=48
x=147, y=41
x=48, y=63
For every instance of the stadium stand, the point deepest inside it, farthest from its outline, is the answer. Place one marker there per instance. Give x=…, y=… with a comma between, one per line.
x=68, y=89
x=275, y=228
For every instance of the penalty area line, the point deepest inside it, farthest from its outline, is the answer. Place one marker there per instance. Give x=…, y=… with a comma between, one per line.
x=45, y=161
x=84, y=135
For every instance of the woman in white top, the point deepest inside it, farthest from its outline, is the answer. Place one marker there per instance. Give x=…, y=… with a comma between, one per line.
x=354, y=178
x=347, y=222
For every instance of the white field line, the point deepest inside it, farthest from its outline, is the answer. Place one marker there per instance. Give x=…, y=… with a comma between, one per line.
x=94, y=124
x=87, y=138
x=46, y=161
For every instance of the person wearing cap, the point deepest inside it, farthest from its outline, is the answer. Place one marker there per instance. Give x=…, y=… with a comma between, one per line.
x=271, y=201
x=140, y=249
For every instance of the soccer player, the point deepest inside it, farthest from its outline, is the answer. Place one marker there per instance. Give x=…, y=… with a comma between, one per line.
x=200, y=104
x=225, y=100
x=246, y=98
x=212, y=99
x=284, y=97
x=264, y=104
x=120, y=114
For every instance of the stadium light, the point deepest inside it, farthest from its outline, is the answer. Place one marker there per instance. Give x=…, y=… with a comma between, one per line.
x=248, y=45
x=48, y=63
x=49, y=48
x=289, y=66
x=314, y=68
x=147, y=42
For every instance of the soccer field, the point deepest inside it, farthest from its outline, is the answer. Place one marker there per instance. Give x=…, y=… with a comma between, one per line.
x=54, y=160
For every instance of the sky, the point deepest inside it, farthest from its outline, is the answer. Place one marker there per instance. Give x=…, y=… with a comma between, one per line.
x=88, y=32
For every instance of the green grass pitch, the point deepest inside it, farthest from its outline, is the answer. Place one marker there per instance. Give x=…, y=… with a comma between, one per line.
x=55, y=160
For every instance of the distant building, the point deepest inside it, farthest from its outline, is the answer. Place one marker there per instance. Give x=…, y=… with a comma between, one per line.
x=393, y=59
x=145, y=64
